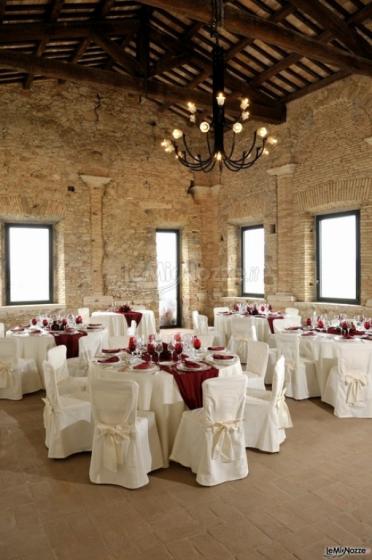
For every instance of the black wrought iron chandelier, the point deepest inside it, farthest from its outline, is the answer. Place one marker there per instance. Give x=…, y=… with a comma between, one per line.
x=217, y=154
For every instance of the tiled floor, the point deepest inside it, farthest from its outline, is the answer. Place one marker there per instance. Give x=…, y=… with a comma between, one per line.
x=316, y=492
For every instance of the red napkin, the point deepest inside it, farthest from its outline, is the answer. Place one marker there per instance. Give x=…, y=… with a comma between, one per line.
x=35, y=331
x=216, y=348
x=310, y=333
x=112, y=350
x=111, y=360
x=347, y=336
x=190, y=365
x=357, y=333
x=293, y=328
x=222, y=357
x=143, y=365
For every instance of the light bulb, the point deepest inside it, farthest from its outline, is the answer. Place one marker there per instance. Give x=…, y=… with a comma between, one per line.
x=191, y=107
x=237, y=127
x=177, y=133
x=266, y=152
x=192, y=118
x=220, y=97
x=272, y=140
x=165, y=143
x=244, y=104
x=204, y=127
x=218, y=156
x=169, y=149
x=262, y=132
x=245, y=115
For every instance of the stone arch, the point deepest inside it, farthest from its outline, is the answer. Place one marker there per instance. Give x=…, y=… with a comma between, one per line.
x=331, y=194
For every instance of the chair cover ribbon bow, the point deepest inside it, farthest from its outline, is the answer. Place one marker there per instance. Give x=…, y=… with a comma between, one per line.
x=355, y=382
x=116, y=441
x=223, y=440
x=5, y=375
x=284, y=416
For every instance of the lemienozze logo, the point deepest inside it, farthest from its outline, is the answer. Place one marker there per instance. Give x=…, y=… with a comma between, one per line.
x=342, y=551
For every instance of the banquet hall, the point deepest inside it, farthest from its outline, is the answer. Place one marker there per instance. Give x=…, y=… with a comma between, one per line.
x=185, y=286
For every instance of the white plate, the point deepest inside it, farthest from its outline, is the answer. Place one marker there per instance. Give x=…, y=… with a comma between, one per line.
x=182, y=367
x=168, y=364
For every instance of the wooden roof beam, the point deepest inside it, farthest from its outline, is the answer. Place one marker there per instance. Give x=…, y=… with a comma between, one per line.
x=164, y=92
x=330, y=21
x=2, y=10
x=248, y=25
x=128, y=62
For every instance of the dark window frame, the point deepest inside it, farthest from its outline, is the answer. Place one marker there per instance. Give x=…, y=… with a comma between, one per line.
x=178, y=247
x=49, y=227
x=318, y=219
x=242, y=230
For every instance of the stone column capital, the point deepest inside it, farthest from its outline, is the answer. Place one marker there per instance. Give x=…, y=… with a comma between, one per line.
x=283, y=170
x=95, y=181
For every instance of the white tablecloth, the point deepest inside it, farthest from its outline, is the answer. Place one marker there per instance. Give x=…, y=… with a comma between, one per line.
x=117, y=324
x=223, y=326
x=322, y=349
x=36, y=346
x=159, y=392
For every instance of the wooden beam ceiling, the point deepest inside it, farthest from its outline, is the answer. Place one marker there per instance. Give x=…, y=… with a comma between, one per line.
x=241, y=23
x=68, y=71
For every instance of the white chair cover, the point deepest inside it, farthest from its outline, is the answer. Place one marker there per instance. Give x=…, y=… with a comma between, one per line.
x=242, y=330
x=302, y=381
x=266, y=414
x=2, y=330
x=292, y=311
x=67, y=384
x=208, y=335
x=17, y=376
x=121, y=452
x=217, y=310
x=280, y=325
x=349, y=384
x=256, y=360
x=210, y=440
x=84, y=314
x=67, y=419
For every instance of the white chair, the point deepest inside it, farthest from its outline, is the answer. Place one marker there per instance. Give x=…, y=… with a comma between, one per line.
x=208, y=335
x=67, y=384
x=84, y=313
x=291, y=311
x=256, y=360
x=301, y=372
x=279, y=325
x=349, y=385
x=210, y=440
x=89, y=346
x=121, y=451
x=242, y=330
x=2, y=330
x=67, y=419
x=217, y=310
x=17, y=375
x=266, y=414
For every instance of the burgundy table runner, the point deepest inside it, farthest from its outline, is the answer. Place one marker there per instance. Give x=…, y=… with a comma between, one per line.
x=71, y=341
x=132, y=316
x=270, y=321
x=190, y=384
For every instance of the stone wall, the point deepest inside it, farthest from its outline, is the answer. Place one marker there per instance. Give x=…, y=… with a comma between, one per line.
x=323, y=163
x=106, y=147
x=90, y=162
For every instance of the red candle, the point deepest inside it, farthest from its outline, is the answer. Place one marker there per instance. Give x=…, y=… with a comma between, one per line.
x=197, y=343
x=132, y=344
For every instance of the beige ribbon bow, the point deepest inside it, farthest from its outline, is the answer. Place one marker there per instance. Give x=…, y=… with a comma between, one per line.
x=355, y=382
x=223, y=435
x=5, y=375
x=116, y=440
x=283, y=411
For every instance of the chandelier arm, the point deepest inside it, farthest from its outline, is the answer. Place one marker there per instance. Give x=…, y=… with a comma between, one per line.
x=199, y=166
x=232, y=147
x=189, y=152
x=247, y=154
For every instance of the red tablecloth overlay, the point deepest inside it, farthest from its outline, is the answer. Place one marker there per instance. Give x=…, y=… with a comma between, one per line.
x=190, y=384
x=131, y=316
x=70, y=340
x=271, y=319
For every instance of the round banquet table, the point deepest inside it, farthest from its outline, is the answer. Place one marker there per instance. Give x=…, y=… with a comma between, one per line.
x=117, y=325
x=322, y=349
x=262, y=324
x=159, y=392
x=36, y=346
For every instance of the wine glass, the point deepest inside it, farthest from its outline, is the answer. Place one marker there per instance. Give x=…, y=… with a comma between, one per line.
x=159, y=348
x=171, y=349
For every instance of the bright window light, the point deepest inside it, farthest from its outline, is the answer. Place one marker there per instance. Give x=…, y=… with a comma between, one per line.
x=338, y=260
x=253, y=260
x=29, y=264
x=168, y=277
